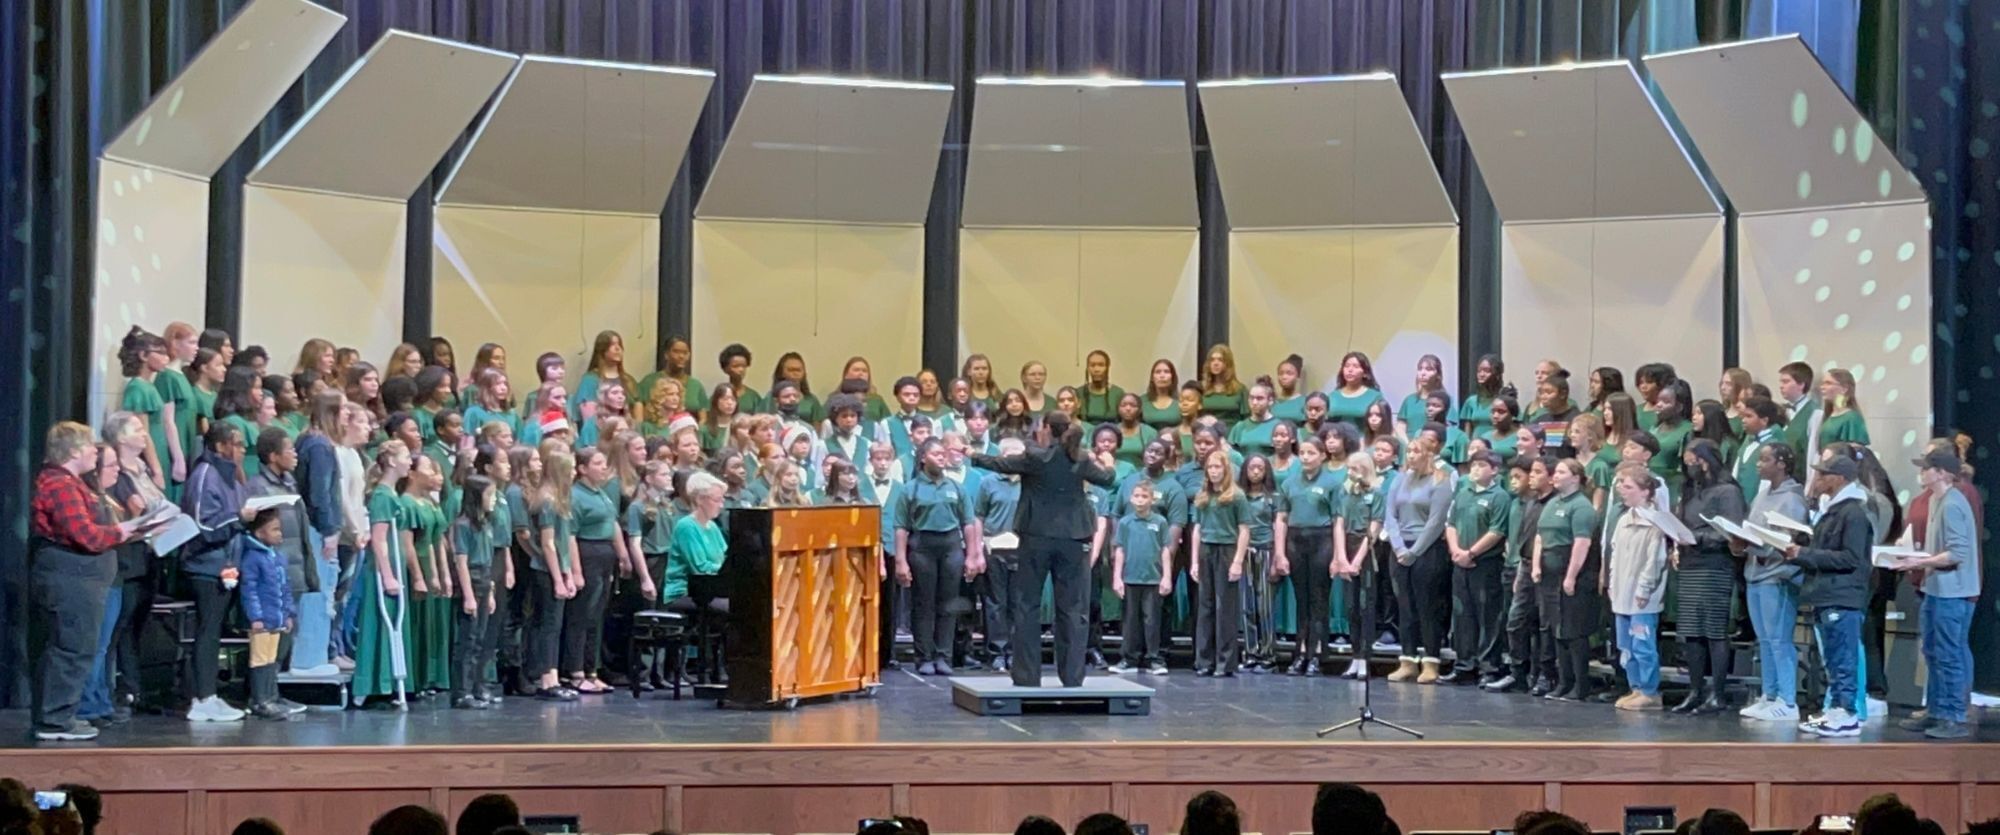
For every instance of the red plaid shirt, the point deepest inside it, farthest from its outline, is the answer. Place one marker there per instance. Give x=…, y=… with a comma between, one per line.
x=65, y=512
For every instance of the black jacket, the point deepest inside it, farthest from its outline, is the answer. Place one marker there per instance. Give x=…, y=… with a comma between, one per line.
x=1053, y=501
x=1836, y=562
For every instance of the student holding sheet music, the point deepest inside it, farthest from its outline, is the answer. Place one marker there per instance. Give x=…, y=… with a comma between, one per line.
x=1707, y=576
x=1836, y=586
x=1636, y=583
x=1951, y=591
x=1772, y=583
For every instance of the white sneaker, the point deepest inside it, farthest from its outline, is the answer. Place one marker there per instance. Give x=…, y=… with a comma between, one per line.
x=1781, y=712
x=213, y=709
x=1835, y=722
x=1877, y=708
x=1755, y=710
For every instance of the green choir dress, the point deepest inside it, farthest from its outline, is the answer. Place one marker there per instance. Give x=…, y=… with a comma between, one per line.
x=1352, y=409
x=1099, y=408
x=1475, y=415
x=175, y=388
x=694, y=396
x=1291, y=408
x=142, y=398
x=1157, y=417
x=1846, y=426
x=432, y=613
x=374, y=648
x=1132, y=445
x=1229, y=406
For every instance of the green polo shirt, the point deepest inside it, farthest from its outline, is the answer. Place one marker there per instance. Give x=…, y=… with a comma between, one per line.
x=500, y=524
x=1263, y=510
x=1359, y=509
x=473, y=541
x=1309, y=502
x=1565, y=519
x=995, y=505
x=1251, y=436
x=698, y=550
x=594, y=511
x=1143, y=538
x=1477, y=511
x=654, y=526
x=1219, y=519
x=927, y=505
x=1170, y=498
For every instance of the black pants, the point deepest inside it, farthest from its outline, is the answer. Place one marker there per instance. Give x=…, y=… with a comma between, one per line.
x=1100, y=582
x=136, y=602
x=1531, y=651
x=212, y=603
x=1423, y=600
x=1141, y=626
x=1219, y=615
x=1875, y=630
x=996, y=597
x=1310, y=552
x=891, y=597
x=937, y=565
x=1066, y=564
x=1479, y=615
x=516, y=606
x=66, y=592
x=1363, y=610
x=472, y=641
x=542, y=640
x=583, y=624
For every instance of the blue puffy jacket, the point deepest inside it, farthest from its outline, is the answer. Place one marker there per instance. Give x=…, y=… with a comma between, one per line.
x=266, y=593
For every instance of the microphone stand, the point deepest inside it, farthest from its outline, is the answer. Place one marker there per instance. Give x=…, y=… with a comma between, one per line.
x=1363, y=647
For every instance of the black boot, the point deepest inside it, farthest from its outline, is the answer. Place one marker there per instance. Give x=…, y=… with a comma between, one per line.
x=1298, y=667
x=1580, y=669
x=1696, y=655
x=264, y=694
x=1718, y=680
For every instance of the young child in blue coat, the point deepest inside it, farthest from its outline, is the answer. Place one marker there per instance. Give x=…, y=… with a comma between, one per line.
x=267, y=603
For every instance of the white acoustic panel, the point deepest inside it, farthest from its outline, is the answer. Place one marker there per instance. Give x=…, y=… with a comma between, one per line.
x=1847, y=287
x=586, y=136
x=1321, y=152
x=828, y=291
x=1107, y=154
x=1387, y=292
x=1056, y=295
x=1776, y=130
x=1575, y=142
x=194, y=123
x=386, y=123
x=544, y=281
x=326, y=265
x=1617, y=293
x=151, y=244
x=830, y=150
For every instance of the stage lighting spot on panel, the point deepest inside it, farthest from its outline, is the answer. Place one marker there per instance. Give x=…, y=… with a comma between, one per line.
x=1864, y=142
x=1919, y=354
x=1799, y=108
x=1854, y=235
x=1840, y=139
x=1822, y=294
x=139, y=234
x=1891, y=396
x=1881, y=371
x=1798, y=353
x=1868, y=287
x=1907, y=251
x=1840, y=322
x=1802, y=276
x=1866, y=256
x=107, y=233
x=1805, y=185
x=1819, y=225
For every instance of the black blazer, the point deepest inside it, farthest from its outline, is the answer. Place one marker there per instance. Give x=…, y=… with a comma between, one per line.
x=1053, y=501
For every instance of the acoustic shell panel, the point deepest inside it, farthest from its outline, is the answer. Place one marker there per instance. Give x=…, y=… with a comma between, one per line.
x=1776, y=130
x=1321, y=152
x=385, y=124
x=1054, y=296
x=326, y=265
x=828, y=291
x=194, y=123
x=830, y=150
x=585, y=136
x=1080, y=154
x=539, y=281
x=1846, y=288
x=1575, y=142
x=1618, y=293
x=1391, y=293
x=152, y=262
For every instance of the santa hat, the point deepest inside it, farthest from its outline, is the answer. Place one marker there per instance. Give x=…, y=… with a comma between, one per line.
x=684, y=421
x=793, y=434
x=553, y=421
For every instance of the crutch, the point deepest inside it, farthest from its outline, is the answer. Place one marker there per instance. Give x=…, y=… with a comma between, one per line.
x=399, y=662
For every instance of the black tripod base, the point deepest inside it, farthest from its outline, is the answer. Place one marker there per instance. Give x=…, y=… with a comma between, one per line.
x=1367, y=718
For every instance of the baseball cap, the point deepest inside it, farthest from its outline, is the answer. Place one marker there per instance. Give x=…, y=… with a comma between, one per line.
x=1940, y=459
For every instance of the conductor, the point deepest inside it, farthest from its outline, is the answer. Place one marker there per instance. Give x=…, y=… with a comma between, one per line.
x=1055, y=523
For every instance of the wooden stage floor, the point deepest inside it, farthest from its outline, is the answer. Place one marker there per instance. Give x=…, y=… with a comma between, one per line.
x=637, y=765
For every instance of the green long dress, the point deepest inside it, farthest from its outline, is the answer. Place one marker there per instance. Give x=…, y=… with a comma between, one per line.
x=430, y=641
x=374, y=668
x=142, y=398
x=175, y=388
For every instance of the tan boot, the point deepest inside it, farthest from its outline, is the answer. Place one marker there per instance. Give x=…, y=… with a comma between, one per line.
x=1430, y=673
x=1640, y=701
x=1406, y=669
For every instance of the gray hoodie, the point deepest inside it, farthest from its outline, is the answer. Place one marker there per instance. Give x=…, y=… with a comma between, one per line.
x=1764, y=565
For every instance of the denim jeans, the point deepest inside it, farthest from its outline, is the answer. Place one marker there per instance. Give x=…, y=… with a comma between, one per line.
x=1947, y=627
x=313, y=638
x=1840, y=645
x=1774, y=613
x=1639, y=650
x=96, y=702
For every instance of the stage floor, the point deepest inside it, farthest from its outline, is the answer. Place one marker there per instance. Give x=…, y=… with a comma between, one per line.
x=912, y=709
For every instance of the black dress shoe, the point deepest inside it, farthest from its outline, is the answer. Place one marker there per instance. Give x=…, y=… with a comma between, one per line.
x=1687, y=705
x=1097, y=660
x=1541, y=688
x=1710, y=706
x=1298, y=667
x=1312, y=667
x=1204, y=672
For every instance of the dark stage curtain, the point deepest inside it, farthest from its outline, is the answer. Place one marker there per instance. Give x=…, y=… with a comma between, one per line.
x=1950, y=129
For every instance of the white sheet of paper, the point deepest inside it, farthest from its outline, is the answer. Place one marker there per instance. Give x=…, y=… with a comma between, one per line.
x=176, y=532
x=1667, y=523
x=260, y=503
x=1888, y=556
x=1003, y=542
x=1775, y=519
x=1767, y=537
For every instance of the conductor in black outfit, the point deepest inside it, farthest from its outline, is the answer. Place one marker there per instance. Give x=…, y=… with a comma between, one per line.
x=1055, y=523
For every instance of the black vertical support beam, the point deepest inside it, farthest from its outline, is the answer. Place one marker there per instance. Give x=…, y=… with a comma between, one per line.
x=947, y=210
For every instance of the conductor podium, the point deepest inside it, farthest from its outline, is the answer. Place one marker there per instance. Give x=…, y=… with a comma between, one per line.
x=804, y=601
